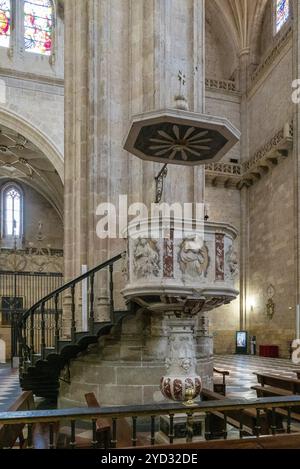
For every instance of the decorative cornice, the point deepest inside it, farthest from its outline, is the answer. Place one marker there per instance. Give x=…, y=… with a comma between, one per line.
x=26, y=251
x=226, y=174
x=277, y=143
x=268, y=156
x=33, y=77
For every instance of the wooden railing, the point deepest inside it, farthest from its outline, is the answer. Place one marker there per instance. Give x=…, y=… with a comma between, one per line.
x=71, y=417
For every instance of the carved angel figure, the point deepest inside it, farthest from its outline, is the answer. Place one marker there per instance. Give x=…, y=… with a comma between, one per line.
x=146, y=258
x=193, y=257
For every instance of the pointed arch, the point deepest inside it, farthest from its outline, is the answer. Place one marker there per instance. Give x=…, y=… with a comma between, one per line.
x=36, y=136
x=12, y=211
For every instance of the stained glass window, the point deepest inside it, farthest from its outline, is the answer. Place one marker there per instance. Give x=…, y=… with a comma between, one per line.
x=12, y=212
x=5, y=23
x=282, y=13
x=38, y=20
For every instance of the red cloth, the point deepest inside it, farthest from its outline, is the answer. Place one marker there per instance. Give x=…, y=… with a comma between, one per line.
x=271, y=351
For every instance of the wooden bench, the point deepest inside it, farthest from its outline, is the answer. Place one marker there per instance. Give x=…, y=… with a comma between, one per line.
x=221, y=387
x=291, y=441
x=270, y=391
x=9, y=434
x=288, y=384
x=104, y=426
x=215, y=420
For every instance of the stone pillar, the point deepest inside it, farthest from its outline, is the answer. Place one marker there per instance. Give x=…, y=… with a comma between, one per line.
x=296, y=149
x=244, y=226
x=168, y=38
x=123, y=57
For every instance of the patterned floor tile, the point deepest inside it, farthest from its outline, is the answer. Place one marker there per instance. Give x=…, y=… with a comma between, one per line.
x=9, y=387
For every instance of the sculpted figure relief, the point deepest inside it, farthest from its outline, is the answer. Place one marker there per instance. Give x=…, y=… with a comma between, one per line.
x=232, y=264
x=193, y=257
x=146, y=260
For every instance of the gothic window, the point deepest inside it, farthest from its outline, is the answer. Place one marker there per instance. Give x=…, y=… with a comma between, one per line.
x=12, y=210
x=282, y=13
x=38, y=26
x=5, y=23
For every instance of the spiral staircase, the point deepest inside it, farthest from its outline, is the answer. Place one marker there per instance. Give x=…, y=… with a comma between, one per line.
x=44, y=352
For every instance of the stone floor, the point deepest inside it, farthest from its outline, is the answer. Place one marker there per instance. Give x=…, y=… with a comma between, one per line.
x=239, y=382
x=9, y=387
x=241, y=370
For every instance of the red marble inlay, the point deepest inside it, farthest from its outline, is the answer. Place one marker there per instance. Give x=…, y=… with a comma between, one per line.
x=168, y=259
x=220, y=257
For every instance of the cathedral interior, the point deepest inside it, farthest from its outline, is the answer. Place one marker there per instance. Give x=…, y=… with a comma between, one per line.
x=149, y=224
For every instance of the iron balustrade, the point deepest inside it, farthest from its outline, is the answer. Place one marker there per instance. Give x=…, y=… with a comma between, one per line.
x=37, y=338
x=71, y=417
x=18, y=291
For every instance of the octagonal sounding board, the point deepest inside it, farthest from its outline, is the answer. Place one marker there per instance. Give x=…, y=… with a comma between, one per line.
x=180, y=137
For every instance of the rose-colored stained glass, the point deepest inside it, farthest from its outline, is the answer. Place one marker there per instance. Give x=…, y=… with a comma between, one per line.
x=38, y=19
x=5, y=19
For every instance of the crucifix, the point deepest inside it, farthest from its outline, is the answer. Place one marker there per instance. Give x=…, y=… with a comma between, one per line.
x=182, y=80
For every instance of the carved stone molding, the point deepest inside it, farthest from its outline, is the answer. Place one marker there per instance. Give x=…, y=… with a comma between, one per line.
x=193, y=257
x=269, y=59
x=225, y=174
x=221, y=85
x=37, y=257
x=183, y=272
x=181, y=361
x=268, y=156
x=146, y=258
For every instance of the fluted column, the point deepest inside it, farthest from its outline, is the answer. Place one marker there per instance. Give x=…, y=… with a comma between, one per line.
x=244, y=225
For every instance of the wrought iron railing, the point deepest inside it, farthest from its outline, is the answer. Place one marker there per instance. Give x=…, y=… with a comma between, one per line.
x=260, y=408
x=37, y=334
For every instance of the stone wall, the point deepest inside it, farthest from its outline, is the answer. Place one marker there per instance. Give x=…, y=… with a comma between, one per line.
x=270, y=208
x=224, y=321
x=271, y=257
x=270, y=103
x=226, y=105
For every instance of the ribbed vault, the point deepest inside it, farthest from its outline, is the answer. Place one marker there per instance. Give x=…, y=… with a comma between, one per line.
x=243, y=19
